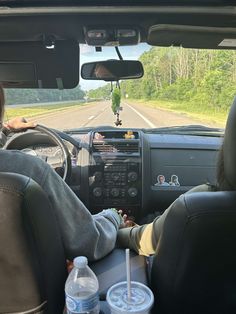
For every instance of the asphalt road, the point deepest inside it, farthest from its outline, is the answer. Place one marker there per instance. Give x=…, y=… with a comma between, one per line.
x=100, y=113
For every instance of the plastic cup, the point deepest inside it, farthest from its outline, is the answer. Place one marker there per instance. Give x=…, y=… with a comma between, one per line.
x=140, y=302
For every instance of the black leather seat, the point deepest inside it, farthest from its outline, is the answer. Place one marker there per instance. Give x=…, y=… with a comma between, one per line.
x=194, y=270
x=32, y=261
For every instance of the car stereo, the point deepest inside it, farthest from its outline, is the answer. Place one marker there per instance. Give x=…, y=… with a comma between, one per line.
x=115, y=172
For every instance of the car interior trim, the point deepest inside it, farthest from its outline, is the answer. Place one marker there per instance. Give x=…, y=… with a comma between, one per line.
x=221, y=10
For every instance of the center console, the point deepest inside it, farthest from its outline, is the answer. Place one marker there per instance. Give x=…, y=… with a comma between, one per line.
x=115, y=172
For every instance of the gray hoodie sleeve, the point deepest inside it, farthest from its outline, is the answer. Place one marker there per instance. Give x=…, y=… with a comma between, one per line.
x=82, y=233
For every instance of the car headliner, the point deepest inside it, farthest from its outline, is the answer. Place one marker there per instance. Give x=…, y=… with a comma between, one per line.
x=30, y=23
x=115, y=2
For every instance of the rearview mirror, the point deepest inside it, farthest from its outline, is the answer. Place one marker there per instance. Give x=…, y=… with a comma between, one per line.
x=112, y=70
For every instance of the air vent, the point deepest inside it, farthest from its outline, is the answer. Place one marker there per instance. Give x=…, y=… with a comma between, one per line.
x=124, y=147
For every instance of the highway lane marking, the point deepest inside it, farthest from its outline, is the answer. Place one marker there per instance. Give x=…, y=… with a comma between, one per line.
x=95, y=117
x=141, y=116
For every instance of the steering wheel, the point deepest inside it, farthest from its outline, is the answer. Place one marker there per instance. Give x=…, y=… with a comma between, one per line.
x=14, y=141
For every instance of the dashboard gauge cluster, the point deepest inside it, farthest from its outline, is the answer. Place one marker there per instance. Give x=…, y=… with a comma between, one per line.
x=51, y=154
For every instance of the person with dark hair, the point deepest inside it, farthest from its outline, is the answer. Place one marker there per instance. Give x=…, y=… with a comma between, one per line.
x=174, y=180
x=82, y=233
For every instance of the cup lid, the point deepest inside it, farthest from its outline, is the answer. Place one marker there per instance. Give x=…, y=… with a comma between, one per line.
x=140, y=302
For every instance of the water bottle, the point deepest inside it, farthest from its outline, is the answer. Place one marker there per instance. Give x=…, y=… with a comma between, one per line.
x=81, y=289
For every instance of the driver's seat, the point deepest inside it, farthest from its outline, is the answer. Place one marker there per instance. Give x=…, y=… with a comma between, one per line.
x=32, y=260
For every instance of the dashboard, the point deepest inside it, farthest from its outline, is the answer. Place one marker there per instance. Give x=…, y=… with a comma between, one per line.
x=129, y=169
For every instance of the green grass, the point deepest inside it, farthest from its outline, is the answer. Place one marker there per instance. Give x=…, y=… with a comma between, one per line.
x=205, y=114
x=29, y=112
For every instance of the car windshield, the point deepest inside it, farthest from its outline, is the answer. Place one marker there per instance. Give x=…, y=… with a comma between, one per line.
x=180, y=87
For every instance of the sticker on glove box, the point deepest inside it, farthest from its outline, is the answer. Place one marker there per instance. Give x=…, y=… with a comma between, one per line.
x=161, y=180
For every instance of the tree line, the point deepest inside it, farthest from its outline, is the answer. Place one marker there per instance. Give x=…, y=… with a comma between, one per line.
x=201, y=77
x=100, y=92
x=27, y=96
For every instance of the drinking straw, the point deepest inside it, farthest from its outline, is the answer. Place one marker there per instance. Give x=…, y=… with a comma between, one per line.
x=128, y=273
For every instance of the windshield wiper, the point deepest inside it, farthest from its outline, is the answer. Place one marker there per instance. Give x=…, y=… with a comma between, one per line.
x=197, y=130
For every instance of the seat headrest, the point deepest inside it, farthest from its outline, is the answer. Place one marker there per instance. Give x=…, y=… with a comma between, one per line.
x=229, y=150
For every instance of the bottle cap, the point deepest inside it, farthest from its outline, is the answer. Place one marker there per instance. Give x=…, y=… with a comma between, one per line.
x=80, y=261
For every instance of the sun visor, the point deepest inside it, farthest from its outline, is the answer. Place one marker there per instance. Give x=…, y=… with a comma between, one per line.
x=35, y=65
x=192, y=36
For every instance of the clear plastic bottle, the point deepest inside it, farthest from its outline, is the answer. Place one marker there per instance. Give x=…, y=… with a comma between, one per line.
x=81, y=289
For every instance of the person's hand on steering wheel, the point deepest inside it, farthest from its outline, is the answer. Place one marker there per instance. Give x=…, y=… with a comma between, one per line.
x=18, y=124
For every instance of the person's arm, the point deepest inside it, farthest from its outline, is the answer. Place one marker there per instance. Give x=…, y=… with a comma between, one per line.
x=144, y=239
x=14, y=125
x=82, y=233
x=18, y=123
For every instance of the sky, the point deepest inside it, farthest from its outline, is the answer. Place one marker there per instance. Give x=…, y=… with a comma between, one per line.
x=88, y=54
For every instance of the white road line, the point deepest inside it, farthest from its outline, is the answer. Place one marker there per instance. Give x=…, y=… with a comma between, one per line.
x=91, y=117
x=145, y=119
x=95, y=117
